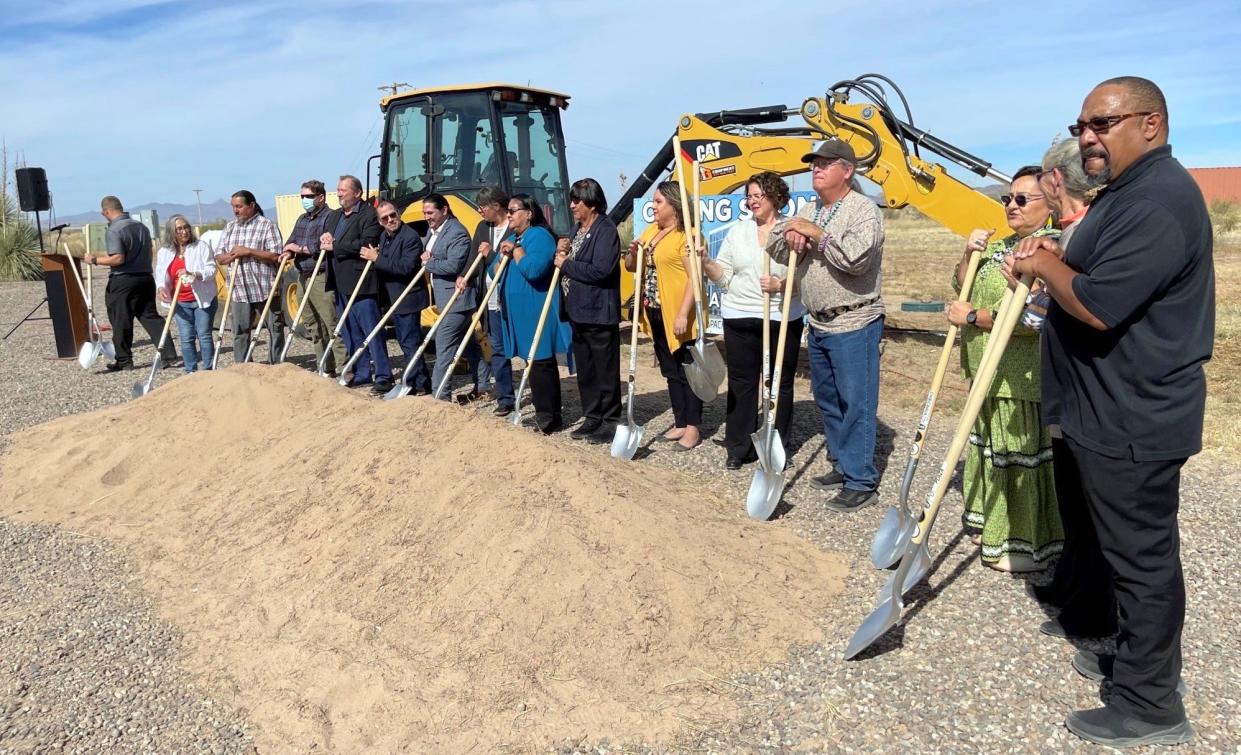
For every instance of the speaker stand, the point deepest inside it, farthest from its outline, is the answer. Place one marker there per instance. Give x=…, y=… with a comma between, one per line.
x=26, y=319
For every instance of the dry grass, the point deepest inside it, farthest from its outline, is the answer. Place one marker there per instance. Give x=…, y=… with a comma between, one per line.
x=918, y=261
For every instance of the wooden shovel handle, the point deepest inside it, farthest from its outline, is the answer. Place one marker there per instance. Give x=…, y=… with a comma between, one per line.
x=1006, y=321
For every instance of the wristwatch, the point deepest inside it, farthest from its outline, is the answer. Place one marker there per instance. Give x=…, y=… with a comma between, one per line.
x=972, y=317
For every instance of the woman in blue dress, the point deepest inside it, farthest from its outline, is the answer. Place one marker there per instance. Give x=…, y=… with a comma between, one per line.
x=526, y=283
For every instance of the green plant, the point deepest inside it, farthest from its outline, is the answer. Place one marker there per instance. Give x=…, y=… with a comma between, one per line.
x=19, y=243
x=1225, y=216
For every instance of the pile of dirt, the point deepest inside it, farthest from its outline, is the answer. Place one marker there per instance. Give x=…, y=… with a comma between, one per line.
x=362, y=575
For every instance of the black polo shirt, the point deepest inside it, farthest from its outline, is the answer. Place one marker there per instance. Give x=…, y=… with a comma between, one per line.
x=1143, y=253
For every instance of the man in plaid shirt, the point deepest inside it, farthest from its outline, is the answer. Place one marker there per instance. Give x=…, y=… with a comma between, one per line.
x=254, y=242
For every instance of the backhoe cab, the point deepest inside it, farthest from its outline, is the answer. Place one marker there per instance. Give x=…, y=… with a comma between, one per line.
x=456, y=140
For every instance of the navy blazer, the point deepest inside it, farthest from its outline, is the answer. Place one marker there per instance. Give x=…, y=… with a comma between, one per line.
x=347, y=264
x=450, y=257
x=594, y=294
x=400, y=259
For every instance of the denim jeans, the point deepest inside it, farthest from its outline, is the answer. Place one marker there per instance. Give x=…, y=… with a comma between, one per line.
x=501, y=365
x=194, y=325
x=844, y=376
x=362, y=319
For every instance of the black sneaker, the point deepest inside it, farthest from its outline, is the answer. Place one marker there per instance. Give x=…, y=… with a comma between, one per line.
x=503, y=410
x=833, y=480
x=585, y=430
x=848, y=500
x=117, y=366
x=1112, y=728
x=1053, y=628
x=381, y=386
x=605, y=434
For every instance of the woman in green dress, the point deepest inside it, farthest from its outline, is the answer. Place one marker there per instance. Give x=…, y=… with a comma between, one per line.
x=1010, y=497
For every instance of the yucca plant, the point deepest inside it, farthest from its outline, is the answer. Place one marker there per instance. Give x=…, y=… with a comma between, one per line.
x=19, y=243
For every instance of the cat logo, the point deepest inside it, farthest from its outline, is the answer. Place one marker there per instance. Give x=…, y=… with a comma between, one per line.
x=706, y=152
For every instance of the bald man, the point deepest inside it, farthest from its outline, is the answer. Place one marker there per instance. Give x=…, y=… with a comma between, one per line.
x=1130, y=326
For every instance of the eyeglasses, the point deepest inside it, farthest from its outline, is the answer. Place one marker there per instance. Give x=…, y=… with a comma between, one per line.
x=511, y=210
x=823, y=164
x=185, y=228
x=1021, y=199
x=760, y=195
x=386, y=218
x=309, y=196
x=1102, y=124
x=574, y=200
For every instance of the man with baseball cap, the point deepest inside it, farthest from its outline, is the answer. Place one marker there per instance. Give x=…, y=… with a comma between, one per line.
x=839, y=242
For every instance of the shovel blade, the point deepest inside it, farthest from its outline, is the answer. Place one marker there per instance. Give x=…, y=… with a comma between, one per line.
x=514, y=419
x=88, y=355
x=769, y=448
x=700, y=382
x=766, y=490
x=713, y=363
x=881, y=619
x=141, y=389
x=397, y=391
x=888, y=545
x=626, y=441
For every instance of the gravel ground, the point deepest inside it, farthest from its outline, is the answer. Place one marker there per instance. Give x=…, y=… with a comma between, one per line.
x=966, y=670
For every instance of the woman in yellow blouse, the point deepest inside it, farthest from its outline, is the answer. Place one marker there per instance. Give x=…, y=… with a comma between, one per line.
x=668, y=309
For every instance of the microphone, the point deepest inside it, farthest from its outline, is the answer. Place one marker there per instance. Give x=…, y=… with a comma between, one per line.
x=60, y=227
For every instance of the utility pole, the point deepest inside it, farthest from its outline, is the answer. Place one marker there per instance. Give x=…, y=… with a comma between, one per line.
x=394, y=87
x=198, y=199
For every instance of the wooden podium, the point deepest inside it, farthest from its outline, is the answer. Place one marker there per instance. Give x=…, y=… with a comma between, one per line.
x=65, y=304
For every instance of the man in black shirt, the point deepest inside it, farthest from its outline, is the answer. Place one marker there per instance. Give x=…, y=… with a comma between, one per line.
x=1130, y=327
x=131, y=285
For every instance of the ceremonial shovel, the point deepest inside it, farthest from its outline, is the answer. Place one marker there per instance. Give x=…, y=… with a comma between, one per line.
x=768, y=484
x=403, y=388
x=301, y=306
x=469, y=332
x=890, y=605
x=340, y=323
x=898, y=523
x=228, y=299
x=96, y=347
x=628, y=437
x=142, y=389
x=706, y=372
x=271, y=295
x=534, y=347
x=357, y=354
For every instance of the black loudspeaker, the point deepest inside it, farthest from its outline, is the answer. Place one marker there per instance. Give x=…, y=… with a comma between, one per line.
x=32, y=190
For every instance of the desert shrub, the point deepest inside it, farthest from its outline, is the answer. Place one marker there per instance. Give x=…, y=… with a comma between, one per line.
x=19, y=243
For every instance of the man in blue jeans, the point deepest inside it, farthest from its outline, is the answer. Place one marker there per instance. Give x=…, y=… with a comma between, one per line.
x=839, y=242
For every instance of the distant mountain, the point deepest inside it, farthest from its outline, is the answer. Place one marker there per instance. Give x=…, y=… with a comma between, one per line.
x=217, y=210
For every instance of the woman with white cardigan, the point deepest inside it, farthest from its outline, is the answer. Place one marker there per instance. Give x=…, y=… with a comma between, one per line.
x=195, y=307
x=739, y=269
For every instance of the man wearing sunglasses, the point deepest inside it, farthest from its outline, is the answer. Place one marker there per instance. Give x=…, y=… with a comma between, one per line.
x=1130, y=327
x=398, y=258
x=319, y=315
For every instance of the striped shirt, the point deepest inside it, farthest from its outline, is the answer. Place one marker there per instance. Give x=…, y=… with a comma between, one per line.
x=254, y=277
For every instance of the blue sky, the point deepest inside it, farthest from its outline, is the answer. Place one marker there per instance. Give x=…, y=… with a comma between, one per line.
x=148, y=99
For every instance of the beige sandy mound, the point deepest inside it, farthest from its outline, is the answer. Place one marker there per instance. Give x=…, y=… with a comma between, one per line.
x=360, y=575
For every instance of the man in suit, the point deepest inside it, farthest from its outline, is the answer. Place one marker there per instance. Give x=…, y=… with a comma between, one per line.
x=396, y=261
x=447, y=257
x=347, y=230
